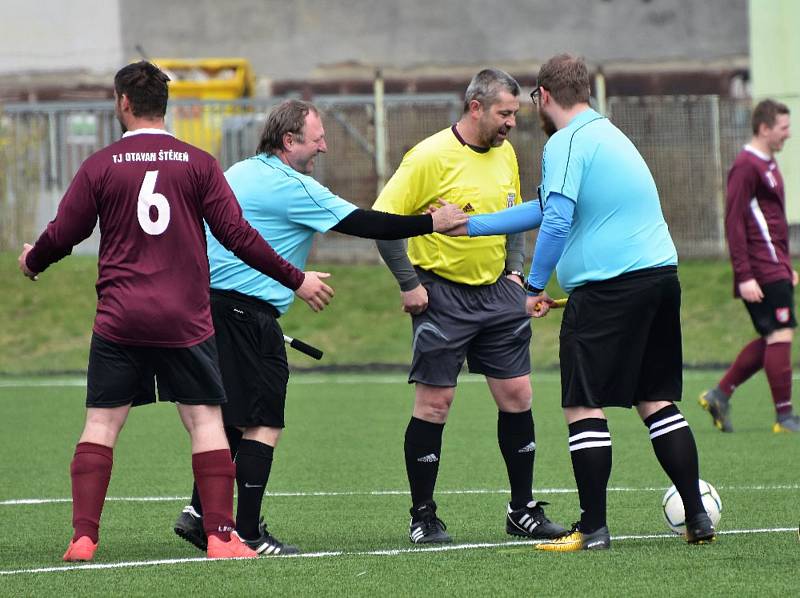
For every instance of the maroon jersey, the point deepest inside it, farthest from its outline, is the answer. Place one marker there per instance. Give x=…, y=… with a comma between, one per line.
x=755, y=220
x=151, y=193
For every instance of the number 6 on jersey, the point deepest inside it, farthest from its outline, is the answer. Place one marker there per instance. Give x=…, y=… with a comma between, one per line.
x=148, y=199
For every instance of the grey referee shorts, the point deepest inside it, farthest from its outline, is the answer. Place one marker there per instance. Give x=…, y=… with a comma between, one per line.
x=486, y=325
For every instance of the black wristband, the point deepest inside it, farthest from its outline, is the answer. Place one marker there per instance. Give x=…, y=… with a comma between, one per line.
x=531, y=289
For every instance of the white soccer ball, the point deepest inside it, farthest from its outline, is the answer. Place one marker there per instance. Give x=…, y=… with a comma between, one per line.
x=672, y=506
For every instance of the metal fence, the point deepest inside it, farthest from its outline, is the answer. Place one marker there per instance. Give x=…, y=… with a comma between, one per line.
x=688, y=141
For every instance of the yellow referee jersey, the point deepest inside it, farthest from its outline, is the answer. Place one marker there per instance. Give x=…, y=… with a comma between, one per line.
x=441, y=166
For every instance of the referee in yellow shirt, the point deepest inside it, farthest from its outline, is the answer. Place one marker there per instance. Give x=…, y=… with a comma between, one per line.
x=466, y=300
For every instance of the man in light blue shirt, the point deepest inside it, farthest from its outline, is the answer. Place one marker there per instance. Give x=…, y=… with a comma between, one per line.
x=603, y=230
x=286, y=206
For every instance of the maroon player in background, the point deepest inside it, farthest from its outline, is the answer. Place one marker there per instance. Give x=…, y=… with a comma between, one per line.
x=151, y=193
x=758, y=241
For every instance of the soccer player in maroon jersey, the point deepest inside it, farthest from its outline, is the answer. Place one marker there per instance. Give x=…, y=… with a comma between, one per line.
x=151, y=193
x=758, y=241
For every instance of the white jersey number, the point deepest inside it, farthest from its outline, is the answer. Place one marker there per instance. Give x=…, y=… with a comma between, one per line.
x=149, y=199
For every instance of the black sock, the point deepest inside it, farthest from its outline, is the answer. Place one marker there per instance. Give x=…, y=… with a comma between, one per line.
x=590, y=450
x=517, y=440
x=234, y=436
x=676, y=451
x=422, y=447
x=253, y=464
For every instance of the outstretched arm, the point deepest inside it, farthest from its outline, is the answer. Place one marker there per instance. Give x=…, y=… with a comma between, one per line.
x=522, y=217
x=374, y=224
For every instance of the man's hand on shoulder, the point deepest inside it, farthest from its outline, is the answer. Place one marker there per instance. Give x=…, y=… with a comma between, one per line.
x=751, y=291
x=315, y=292
x=23, y=266
x=415, y=301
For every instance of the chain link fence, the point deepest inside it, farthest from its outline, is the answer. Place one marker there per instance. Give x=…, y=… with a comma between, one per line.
x=688, y=141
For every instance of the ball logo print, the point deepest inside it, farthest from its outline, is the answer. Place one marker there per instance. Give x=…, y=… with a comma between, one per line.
x=672, y=507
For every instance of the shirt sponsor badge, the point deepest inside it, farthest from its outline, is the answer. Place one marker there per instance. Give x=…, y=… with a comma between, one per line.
x=510, y=198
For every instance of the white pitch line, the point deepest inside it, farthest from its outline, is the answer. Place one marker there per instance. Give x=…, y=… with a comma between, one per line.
x=45, y=501
x=384, y=552
x=300, y=378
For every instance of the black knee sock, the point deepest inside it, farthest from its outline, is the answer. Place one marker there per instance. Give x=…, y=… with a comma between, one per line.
x=422, y=447
x=676, y=451
x=517, y=440
x=590, y=450
x=234, y=436
x=253, y=464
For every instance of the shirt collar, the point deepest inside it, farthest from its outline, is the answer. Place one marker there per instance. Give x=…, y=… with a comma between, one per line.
x=147, y=131
x=584, y=117
x=757, y=153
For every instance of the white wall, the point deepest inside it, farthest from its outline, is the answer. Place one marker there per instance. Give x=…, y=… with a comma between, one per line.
x=51, y=35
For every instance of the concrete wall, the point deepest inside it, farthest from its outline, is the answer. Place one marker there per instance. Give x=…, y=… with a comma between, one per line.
x=54, y=35
x=301, y=38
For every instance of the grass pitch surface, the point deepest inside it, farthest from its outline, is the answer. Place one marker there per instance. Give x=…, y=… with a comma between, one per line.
x=338, y=490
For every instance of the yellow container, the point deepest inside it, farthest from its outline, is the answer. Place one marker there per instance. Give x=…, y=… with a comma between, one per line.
x=205, y=79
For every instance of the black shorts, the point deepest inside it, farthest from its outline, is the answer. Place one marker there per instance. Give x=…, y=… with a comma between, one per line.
x=776, y=309
x=487, y=325
x=621, y=341
x=252, y=357
x=126, y=375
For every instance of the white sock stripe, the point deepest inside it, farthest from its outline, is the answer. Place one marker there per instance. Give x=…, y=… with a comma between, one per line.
x=582, y=435
x=681, y=424
x=784, y=404
x=665, y=421
x=587, y=445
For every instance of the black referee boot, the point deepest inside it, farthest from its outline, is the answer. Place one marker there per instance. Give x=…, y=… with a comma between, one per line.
x=531, y=522
x=426, y=527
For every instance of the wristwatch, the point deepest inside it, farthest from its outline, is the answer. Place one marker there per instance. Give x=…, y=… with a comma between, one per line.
x=518, y=273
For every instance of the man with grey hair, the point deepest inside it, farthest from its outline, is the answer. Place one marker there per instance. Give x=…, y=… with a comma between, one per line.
x=466, y=300
x=287, y=207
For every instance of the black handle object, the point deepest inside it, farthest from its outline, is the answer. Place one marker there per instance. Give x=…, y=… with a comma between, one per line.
x=303, y=347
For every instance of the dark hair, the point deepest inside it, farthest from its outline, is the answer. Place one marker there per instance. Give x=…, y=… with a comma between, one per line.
x=765, y=113
x=486, y=85
x=145, y=85
x=566, y=78
x=287, y=117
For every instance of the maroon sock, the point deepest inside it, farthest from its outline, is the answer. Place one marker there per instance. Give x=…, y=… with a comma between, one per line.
x=90, y=471
x=778, y=367
x=214, y=473
x=747, y=363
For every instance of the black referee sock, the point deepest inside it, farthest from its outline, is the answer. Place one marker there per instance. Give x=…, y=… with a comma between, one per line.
x=234, y=436
x=517, y=440
x=676, y=451
x=590, y=450
x=253, y=464
x=422, y=447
